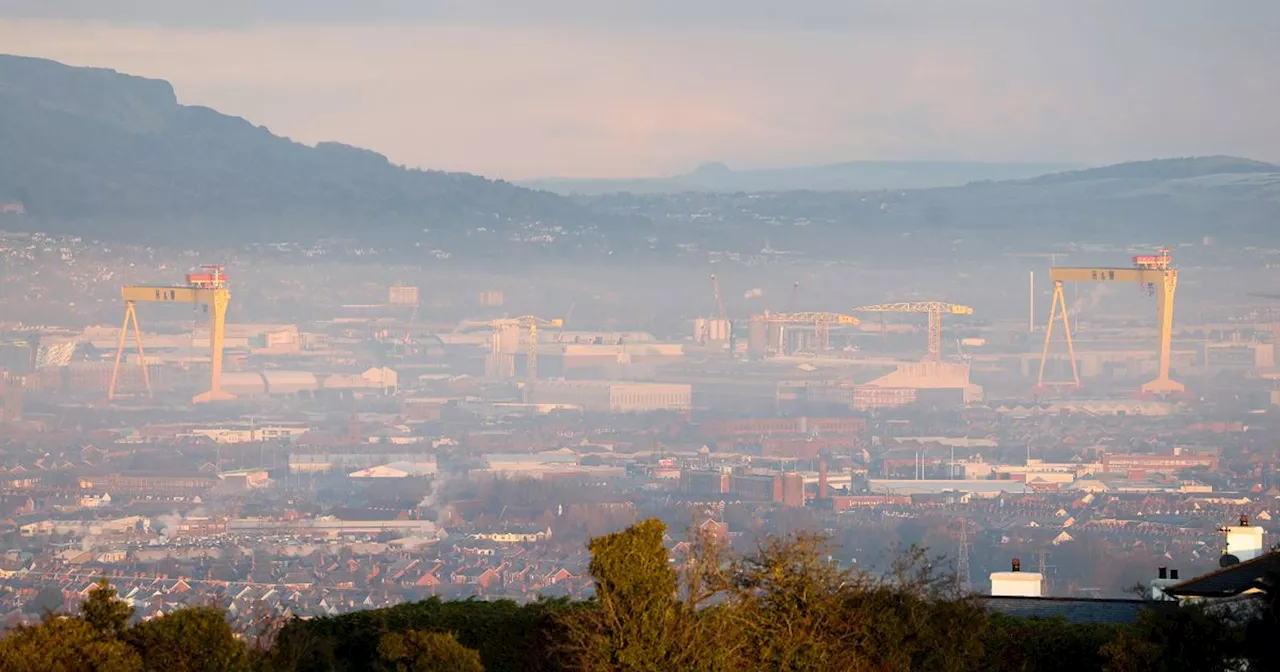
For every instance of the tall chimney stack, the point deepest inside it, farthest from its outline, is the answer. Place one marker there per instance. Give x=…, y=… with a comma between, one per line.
x=822, y=480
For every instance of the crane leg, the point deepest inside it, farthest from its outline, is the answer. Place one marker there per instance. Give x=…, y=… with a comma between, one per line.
x=115, y=370
x=1164, y=318
x=531, y=354
x=142, y=357
x=935, y=336
x=217, y=335
x=1048, y=330
x=1071, y=348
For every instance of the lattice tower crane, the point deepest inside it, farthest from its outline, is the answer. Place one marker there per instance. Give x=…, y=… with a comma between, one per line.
x=528, y=323
x=718, y=312
x=821, y=322
x=934, y=309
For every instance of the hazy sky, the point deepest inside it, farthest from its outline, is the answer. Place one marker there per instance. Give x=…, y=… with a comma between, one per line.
x=525, y=88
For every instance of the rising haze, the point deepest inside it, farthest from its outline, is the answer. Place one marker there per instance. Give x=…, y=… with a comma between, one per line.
x=637, y=88
x=338, y=335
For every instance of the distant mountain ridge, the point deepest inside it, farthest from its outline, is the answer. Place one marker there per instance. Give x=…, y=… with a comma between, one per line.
x=1164, y=169
x=86, y=148
x=848, y=176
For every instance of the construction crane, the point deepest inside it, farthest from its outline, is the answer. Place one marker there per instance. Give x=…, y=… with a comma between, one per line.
x=719, y=315
x=502, y=347
x=408, y=330
x=1155, y=274
x=208, y=289
x=567, y=316
x=934, y=309
x=821, y=322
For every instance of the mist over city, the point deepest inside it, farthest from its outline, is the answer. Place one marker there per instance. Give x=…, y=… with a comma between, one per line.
x=636, y=336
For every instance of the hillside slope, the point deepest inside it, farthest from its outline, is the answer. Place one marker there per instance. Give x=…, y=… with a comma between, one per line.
x=94, y=151
x=852, y=175
x=1158, y=202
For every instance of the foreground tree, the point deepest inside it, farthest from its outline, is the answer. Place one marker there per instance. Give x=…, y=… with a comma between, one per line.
x=193, y=639
x=799, y=611
x=105, y=612
x=1178, y=639
x=422, y=651
x=638, y=624
x=65, y=644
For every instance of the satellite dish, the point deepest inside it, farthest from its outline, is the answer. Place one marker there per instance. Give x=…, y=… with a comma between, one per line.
x=1228, y=560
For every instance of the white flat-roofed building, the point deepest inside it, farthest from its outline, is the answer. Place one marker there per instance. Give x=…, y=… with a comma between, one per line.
x=984, y=488
x=602, y=396
x=398, y=470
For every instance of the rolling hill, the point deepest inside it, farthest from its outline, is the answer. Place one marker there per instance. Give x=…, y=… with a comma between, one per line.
x=852, y=175
x=95, y=152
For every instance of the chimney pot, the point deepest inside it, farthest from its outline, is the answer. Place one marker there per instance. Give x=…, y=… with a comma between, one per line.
x=1173, y=574
x=1017, y=565
x=1162, y=573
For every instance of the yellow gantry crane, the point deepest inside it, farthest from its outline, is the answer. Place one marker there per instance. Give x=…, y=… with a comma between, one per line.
x=821, y=322
x=505, y=342
x=208, y=289
x=1156, y=274
x=935, y=310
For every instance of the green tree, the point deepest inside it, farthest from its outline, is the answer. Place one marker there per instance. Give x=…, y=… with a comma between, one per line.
x=65, y=644
x=1263, y=630
x=46, y=599
x=1177, y=639
x=195, y=639
x=510, y=637
x=422, y=651
x=104, y=611
x=638, y=623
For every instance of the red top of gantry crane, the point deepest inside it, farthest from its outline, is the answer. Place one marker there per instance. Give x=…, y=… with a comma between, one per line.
x=1154, y=262
x=212, y=277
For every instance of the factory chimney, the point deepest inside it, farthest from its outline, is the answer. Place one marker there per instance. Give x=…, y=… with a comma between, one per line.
x=822, y=480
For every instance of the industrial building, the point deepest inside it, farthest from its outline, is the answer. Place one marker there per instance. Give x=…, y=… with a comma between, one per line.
x=601, y=396
x=275, y=382
x=398, y=470
x=1120, y=463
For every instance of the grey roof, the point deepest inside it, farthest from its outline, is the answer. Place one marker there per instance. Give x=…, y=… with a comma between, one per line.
x=1073, y=609
x=1229, y=581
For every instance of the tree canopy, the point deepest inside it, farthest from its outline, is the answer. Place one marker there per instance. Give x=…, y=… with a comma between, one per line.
x=785, y=606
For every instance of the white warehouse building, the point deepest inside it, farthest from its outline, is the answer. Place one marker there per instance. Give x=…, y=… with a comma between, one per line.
x=602, y=396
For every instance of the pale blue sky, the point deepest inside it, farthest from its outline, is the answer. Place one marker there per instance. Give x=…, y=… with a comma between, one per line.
x=524, y=88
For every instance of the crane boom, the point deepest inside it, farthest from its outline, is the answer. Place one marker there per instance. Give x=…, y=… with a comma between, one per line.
x=935, y=311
